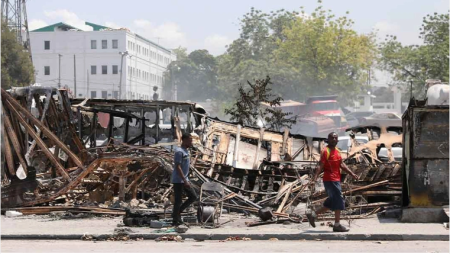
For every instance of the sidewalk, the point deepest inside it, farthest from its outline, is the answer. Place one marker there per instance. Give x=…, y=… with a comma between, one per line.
x=374, y=228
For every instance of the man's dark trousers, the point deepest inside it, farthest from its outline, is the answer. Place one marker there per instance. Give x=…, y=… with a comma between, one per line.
x=178, y=208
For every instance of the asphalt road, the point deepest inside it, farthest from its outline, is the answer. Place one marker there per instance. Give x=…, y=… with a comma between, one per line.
x=74, y=246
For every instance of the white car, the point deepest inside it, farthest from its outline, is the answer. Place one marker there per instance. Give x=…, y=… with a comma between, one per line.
x=345, y=143
x=397, y=152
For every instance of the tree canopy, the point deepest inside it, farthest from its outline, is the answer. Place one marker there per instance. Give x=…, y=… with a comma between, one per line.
x=195, y=75
x=419, y=62
x=17, y=69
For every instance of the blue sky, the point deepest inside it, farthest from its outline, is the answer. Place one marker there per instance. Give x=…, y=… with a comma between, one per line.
x=214, y=24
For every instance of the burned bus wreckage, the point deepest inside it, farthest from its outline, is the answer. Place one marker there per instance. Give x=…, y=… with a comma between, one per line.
x=104, y=156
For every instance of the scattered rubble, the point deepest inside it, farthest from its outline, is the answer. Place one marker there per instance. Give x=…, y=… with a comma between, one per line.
x=54, y=161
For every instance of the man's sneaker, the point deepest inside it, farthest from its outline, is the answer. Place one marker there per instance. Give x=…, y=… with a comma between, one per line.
x=340, y=228
x=312, y=218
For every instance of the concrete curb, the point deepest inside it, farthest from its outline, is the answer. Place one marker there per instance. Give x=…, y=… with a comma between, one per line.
x=322, y=236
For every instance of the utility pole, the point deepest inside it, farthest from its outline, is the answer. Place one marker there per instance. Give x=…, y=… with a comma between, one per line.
x=59, y=79
x=75, y=75
x=87, y=87
x=121, y=72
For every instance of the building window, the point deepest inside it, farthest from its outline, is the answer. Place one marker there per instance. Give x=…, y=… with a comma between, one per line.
x=104, y=94
x=104, y=44
x=93, y=69
x=80, y=95
x=46, y=70
x=115, y=44
x=93, y=94
x=116, y=94
x=93, y=44
x=104, y=69
x=115, y=69
x=46, y=45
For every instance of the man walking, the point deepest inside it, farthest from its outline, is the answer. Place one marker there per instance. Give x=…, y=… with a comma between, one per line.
x=180, y=179
x=331, y=163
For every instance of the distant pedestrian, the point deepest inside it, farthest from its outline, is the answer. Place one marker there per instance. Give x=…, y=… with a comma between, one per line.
x=180, y=180
x=331, y=163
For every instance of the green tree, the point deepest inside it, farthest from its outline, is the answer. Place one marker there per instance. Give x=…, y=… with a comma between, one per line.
x=251, y=56
x=419, y=62
x=17, y=69
x=328, y=56
x=248, y=109
x=195, y=75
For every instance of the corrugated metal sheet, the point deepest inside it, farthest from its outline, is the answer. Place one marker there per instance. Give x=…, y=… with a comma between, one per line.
x=426, y=155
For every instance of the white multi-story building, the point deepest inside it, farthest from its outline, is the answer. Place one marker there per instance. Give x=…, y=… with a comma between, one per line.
x=64, y=56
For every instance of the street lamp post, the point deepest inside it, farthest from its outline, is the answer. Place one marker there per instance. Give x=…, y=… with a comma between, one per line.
x=174, y=87
x=121, y=68
x=59, y=75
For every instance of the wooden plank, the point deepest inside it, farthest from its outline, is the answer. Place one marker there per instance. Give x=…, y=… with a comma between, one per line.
x=236, y=146
x=223, y=148
x=39, y=141
x=381, y=193
x=256, y=161
x=14, y=140
x=285, y=138
x=357, y=189
x=8, y=154
x=286, y=197
x=245, y=132
x=17, y=108
x=275, y=151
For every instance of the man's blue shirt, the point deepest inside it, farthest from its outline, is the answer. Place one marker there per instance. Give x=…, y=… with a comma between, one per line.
x=181, y=157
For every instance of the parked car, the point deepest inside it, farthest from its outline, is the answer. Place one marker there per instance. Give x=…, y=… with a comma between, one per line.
x=382, y=119
x=354, y=118
x=352, y=121
x=345, y=143
x=360, y=114
x=397, y=152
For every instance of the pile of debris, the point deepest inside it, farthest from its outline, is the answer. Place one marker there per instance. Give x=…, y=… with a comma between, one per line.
x=54, y=159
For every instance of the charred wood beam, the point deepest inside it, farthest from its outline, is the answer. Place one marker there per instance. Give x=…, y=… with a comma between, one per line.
x=127, y=126
x=110, y=127
x=80, y=123
x=43, y=118
x=140, y=176
x=39, y=141
x=236, y=145
x=136, y=139
x=13, y=106
x=357, y=189
x=8, y=154
x=14, y=140
x=157, y=125
x=143, y=127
